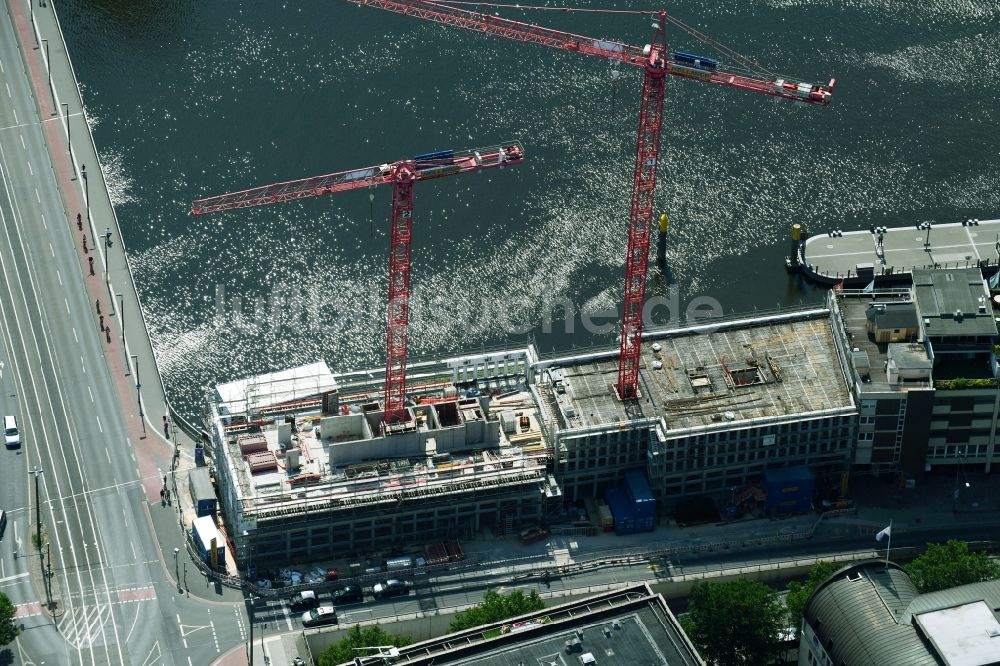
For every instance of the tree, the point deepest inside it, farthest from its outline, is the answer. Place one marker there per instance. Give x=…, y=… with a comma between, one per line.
x=373, y=636
x=799, y=593
x=735, y=623
x=950, y=564
x=8, y=629
x=496, y=607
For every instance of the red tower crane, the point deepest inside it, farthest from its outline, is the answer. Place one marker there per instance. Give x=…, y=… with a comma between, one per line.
x=656, y=64
x=402, y=175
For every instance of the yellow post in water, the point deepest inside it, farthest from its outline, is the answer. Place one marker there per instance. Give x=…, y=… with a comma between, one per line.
x=661, y=242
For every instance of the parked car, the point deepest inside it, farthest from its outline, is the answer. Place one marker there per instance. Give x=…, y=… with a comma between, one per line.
x=319, y=616
x=532, y=534
x=263, y=584
x=289, y=578
x=304, y=600
x=321, y=575
x=348, y=594
x=390, y=588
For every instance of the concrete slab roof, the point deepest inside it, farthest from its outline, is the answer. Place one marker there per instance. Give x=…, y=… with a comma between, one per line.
x=750, y=369
x=627, y=626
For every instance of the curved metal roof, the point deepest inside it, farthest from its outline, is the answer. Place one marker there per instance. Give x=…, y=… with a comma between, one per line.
x=860, y=616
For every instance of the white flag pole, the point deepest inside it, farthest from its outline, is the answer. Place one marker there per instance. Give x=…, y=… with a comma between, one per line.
x=888, y=545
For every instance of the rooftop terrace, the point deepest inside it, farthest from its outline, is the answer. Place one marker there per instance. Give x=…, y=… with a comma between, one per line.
x=752, y=369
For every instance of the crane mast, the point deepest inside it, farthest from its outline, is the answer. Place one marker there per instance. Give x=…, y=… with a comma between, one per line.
x=402, y=175
x=647, y=158
x=657, y=64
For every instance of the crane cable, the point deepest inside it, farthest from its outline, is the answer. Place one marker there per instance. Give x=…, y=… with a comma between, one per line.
x=749, y=64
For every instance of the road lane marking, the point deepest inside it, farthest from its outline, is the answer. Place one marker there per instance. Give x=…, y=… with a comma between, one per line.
x=14, y=577
x=37, y=197
x=67, y=309
x=59, y=275
x=30, y=170
x=83, y=365
x=22, y=142
x=109, y=462
x=99, y=426
x=53, y=253
x=288, y=617
x=31, y=374
x=74, y=336
x=91, y=394
x=16, y=121
x=45, y=224
x=8, y=91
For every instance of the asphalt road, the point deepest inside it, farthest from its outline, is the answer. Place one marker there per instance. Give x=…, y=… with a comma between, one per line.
x=113, y=601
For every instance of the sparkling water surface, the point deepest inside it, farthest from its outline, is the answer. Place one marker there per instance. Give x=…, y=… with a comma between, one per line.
x=189, y=99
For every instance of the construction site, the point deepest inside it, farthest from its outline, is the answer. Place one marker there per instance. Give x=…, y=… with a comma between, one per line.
x=309, y=471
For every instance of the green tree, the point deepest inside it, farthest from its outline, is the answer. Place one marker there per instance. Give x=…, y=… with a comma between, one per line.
x=950, y=564
x=799, y=593
x=372, y=636
x=735, y=623
x=8, y=629
x=495, y=607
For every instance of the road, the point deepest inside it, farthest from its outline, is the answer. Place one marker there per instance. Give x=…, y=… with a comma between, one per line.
x=113, y=600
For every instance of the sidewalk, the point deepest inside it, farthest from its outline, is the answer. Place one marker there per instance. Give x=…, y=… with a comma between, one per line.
x=129, y=353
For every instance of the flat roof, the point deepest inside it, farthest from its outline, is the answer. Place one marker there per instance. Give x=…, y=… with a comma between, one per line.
x=750, y=369
x=965, y=635
x=951, y=245
x=628, y=626
x=854, y=311
x=950, y=301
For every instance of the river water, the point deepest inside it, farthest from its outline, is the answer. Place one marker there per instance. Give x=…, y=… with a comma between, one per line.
x=189, y=99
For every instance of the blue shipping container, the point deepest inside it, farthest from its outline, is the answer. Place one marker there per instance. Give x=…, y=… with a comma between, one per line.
x=638, y=491
x=622, y=509
x=789, y=489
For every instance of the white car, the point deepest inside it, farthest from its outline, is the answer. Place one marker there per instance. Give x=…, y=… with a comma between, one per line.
x=319, y=616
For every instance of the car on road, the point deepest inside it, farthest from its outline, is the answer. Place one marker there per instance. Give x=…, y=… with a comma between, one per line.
x=319, y=617
x=304, y=600
x=390, y=588
x=348, y=594
x=11, y=435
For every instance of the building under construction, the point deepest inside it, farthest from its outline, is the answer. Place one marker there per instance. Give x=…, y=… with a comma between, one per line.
x=304, y=474
x=718, y=405
x=308, y=467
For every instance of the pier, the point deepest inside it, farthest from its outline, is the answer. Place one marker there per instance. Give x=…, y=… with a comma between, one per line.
x=856, y=258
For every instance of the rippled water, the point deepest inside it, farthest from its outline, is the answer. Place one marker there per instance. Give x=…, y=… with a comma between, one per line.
x=190, y=99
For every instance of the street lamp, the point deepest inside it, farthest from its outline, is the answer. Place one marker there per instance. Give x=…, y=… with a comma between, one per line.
x=86, y=190
x=48, y=66
x=37, y=471
x=138, y=386
x=177, y=567
x=927, y=241
x=121, y=317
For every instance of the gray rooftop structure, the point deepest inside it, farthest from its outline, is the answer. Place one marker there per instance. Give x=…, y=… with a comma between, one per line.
x=626, y=627
x=893, y=315
x=705, y=376
x=866, y=614
x=954, y=303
